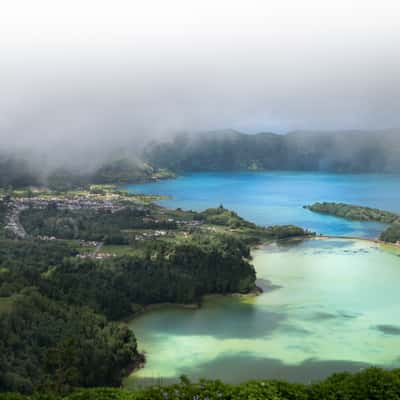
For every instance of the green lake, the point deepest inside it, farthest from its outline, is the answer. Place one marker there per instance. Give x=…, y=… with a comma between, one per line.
x=328, y=305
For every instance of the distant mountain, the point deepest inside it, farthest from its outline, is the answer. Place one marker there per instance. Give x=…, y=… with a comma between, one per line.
x=16, y=171
x=336, y=151
x=227, y=150
x=123, y=170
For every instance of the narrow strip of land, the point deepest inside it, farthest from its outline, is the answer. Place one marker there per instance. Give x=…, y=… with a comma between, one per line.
x=365, y=239
x=364, y=214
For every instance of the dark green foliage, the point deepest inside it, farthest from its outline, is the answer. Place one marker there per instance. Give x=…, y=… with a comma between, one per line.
x=23, y=263
x=3, y=212
x=353, y=212
x=49, y=344
x=391, y=234
x=53, y=332
x=43, y=255
x=285, y=231
x=247, y=231
x=179, y=273
x=222, y=216
x=370, y=384
x=45, y=342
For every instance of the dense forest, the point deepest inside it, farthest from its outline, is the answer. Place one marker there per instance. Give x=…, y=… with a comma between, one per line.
x=354, y=212
x=371, y=384
x=56, y=308
x=177, y=273
x=391, y=234
x=48, y=344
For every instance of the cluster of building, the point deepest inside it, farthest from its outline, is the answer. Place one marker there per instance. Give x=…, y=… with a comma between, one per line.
x=88, y=243
x=150, y=235
x=97, y=256
x=13, y=225
x=163, y=233
x=45, y=238
x=16, y=230
x=77, y=203
x=190, y=223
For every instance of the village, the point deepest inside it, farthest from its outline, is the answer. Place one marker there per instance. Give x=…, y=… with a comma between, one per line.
x=61, y=203
x=157, y=223
x=15, y=205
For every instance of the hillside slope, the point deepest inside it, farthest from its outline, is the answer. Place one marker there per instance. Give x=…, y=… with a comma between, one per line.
x=345, y=151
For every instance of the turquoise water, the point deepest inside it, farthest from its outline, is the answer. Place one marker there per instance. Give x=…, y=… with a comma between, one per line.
x=269, y=198
x=328, y=305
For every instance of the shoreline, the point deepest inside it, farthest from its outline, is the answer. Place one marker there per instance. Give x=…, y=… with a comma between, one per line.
x=256, y=291
x=364, y=239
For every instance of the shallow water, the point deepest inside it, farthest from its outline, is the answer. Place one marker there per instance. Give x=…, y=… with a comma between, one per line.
x=328, y=305
x=269, y=198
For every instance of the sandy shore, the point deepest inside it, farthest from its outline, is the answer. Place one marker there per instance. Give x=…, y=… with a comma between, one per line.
x=371, y=240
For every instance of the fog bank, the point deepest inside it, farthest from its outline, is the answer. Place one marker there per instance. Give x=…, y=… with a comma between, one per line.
x=85, y=81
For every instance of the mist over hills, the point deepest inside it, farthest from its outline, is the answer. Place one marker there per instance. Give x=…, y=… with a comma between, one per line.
x=225, y=150
x=335, y=151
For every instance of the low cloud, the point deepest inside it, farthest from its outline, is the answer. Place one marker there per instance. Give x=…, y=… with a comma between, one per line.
x=87, y=82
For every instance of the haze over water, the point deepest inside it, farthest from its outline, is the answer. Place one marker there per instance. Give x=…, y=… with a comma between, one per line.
x=328, y=305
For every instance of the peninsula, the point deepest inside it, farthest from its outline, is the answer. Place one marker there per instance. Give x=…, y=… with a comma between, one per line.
x=361, y=213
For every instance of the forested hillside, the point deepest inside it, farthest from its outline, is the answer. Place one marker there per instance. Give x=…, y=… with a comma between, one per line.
x=21, y=170
x=60, y=291
x=86, y=259
x=347, y=151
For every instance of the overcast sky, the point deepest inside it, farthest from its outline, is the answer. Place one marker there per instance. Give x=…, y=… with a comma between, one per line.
x=101, y=73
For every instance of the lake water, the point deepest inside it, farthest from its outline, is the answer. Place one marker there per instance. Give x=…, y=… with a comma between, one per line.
x=328, y=305
x=268, y=198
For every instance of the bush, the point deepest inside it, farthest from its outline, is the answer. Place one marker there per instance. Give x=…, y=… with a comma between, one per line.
x=370, y=384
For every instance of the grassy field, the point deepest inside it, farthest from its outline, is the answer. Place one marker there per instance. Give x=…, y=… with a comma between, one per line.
x=119, y=250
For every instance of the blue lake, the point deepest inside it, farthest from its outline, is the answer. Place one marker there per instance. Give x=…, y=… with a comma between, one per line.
x=269, y=198
x=328, y=305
